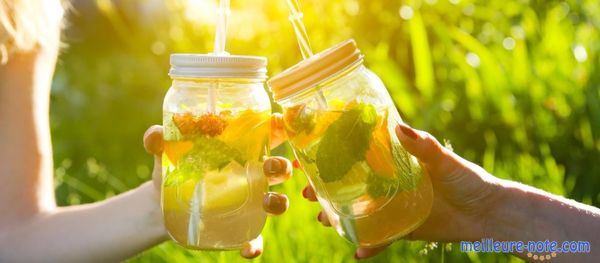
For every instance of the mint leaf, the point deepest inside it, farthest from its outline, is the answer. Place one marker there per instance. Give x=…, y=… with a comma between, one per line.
x=211, y=154
x=183, y=172
x=345, y=142
x=206, y=155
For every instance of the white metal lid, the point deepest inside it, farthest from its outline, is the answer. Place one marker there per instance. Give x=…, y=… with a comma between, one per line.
x=213, y=66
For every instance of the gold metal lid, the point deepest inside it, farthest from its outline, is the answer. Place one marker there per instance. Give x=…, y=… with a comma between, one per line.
x=313, y=70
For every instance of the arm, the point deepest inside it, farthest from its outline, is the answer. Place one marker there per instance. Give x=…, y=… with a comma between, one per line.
x=32, y=228
x=529, y=214
x=107, y=231
x=470, y=204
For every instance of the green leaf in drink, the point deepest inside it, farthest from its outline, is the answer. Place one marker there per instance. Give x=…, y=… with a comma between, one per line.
x=207, y=154
x=213, y=154
x=345, y=142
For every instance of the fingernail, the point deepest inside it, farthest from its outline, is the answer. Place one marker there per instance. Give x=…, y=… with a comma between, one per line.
x=252, y=251
x=304, y=192
x=356, y=256
x=256, y=253
x=322, y=218
x=296, y=164
x=275, y=204
x=408, y=131
x=271, y=200
x=274, y=166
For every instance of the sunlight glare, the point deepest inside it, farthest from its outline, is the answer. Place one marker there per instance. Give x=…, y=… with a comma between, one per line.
x=201, y=11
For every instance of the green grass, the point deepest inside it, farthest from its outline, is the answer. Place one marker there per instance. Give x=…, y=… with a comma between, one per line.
x=514, y=85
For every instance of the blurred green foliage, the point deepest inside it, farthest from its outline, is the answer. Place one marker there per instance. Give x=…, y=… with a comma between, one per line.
x=514, y=85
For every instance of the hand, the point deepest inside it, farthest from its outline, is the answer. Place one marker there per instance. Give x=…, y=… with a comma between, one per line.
x=463, y=193
x=276, y=169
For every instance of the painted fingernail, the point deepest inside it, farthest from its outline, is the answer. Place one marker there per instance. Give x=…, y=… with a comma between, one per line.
x=274, y=166
x=252, y=252
x=296, y=164
x=408, y=131
x=275, y=204
x=322, y=218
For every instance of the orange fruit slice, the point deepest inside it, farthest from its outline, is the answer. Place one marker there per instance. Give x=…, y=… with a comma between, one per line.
x=379, y=155
x=175, y=149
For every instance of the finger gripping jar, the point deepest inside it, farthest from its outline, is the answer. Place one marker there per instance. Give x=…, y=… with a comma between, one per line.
x=340, y=121
x=216, y=118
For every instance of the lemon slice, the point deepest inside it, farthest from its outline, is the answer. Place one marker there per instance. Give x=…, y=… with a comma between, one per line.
x=177, y=196
x=248, y=133
x=225, y=190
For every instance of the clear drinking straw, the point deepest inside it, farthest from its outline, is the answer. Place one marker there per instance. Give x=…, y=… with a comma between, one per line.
x=302, y=37
x=221, y=31
x=306, y=50
x=223, y=12
x=194, y=224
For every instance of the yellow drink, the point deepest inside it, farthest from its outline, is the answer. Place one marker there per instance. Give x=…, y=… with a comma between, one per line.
x=372, y=190
x=213, y=183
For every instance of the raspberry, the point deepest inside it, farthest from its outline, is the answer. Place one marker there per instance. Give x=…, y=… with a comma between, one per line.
x=211, y=124
x=208, y=124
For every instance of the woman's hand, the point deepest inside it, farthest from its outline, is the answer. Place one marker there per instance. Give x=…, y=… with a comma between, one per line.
x=464, y=193
x=276, y=169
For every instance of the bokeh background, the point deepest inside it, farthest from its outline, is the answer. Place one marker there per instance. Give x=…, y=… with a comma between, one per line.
x=513, y=85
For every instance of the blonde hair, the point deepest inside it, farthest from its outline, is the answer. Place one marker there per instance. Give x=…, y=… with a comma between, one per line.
x=29, y=24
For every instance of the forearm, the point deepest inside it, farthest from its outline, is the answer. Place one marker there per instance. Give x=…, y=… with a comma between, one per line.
x=529, y=214
x=26, y=156
x=106, y=231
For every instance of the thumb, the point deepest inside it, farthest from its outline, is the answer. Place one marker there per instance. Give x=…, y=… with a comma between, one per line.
x=153, y=143
x=153, y=140
x=420, y=144
x=438, y=160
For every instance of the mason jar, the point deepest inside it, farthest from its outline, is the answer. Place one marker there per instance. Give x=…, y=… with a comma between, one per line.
x=340, y=122
x=216, y=118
